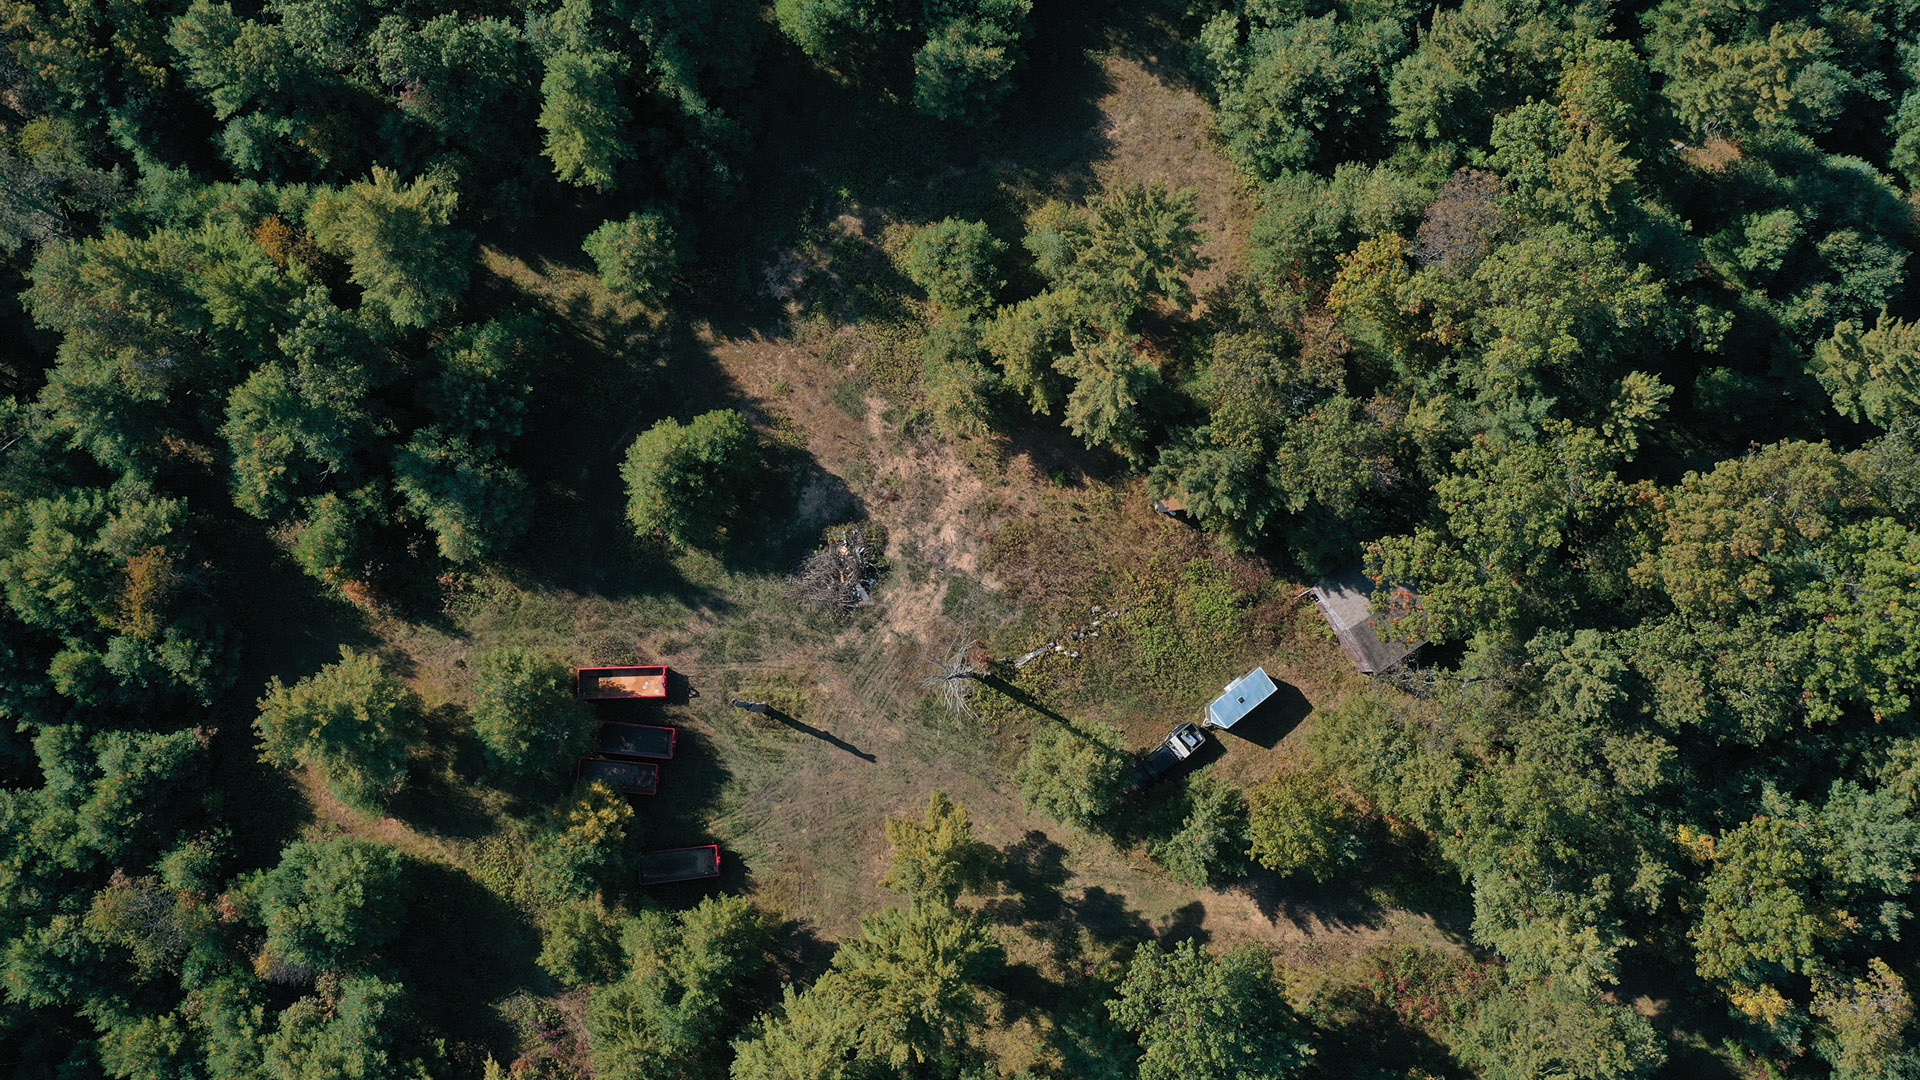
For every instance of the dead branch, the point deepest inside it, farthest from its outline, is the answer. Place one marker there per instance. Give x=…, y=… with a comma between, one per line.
x=840, y=575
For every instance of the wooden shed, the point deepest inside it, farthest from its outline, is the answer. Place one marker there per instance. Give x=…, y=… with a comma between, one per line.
x=1347, y=600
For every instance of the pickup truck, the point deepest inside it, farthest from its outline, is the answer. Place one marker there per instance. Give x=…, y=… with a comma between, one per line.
x=1178, y=747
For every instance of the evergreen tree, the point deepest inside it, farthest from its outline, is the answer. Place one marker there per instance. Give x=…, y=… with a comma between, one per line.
x=685, y=481
x=525, y=713
x=351, y=720
x=1204, y=1017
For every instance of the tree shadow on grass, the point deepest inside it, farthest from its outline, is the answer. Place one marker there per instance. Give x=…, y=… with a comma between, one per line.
x=462, y=936
x=690, y=785
x=439, y=798
x=258, y=805
x=1058, y=454
x=1397, y=873
x=1023, y=698
x=828, y=146
x=1185, y=923
x=290, y=624
x=1034, y=869
x=1108, y=919
x=800, y=955
x=824, y=736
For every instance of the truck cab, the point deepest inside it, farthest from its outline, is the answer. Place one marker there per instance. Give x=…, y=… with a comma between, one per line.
x=1182, y=744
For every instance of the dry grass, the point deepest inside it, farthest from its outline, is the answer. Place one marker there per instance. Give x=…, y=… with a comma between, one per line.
x=1157, y=133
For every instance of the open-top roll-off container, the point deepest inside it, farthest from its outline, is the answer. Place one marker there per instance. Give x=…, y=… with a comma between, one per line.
x=619, y=740
x=680, y=864
x=625, y=777
x=634, y=682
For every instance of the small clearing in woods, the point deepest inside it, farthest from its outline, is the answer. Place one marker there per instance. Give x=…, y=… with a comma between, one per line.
x=1008, y=541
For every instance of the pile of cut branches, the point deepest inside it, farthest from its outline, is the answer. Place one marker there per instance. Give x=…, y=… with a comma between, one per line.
x=841, y=575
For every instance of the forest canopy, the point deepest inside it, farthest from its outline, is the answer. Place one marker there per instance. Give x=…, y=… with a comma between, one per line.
x=1585, y=326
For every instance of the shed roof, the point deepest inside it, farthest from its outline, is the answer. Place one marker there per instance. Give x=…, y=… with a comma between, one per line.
x=1241, y=697
x=1346, y=599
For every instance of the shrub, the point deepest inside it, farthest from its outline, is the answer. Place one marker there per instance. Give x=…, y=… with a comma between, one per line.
x=330, y=903
x=590, y=847
x=1299, y=822
x=351, y=720
x=1076, y=775
x=580, y=945
x=955, y=261
x=1212, y=842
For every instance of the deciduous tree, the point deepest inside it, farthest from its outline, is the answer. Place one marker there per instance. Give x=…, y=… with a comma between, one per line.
x=1200, y=1016
x=524, y=711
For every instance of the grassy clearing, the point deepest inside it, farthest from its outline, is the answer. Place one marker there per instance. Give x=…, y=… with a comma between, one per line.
x=1009, y=542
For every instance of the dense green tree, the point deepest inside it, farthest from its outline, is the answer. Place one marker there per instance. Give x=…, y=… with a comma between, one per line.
x=329, y=904
x=1210, y=1017
x=1477, y=60
x=1869, y=1017
x=685, y=481
x=1076, y=775
x=586, y=846
x=1531, y=1030
x=351, y=720
x=1142, y=243
x=954, y=59
x=1307, y=222
x=962, y=388
x=107, y=574
x=956, y=262
x=899, y=998
x=287, y=432
x=1024, y=340
x=154, y=331
x=689, y=977
x=397, y=243
x=1296, y=94
x=1299, y=822
x=1210, y=845
x=1746, y=69
x=54, y=189
x=580, y=945
x=937, y=858
x=636, y=255
x=355, y=1026
x=484, y=383
x=1872, y=375
x=1114, y=386
x=965, y=70
x=524, y=711
x=475, y=504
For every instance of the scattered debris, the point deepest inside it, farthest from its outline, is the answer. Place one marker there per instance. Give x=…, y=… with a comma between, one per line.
x=1101, y=616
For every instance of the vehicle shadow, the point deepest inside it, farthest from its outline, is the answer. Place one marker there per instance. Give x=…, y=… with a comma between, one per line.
x=1273, y=719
